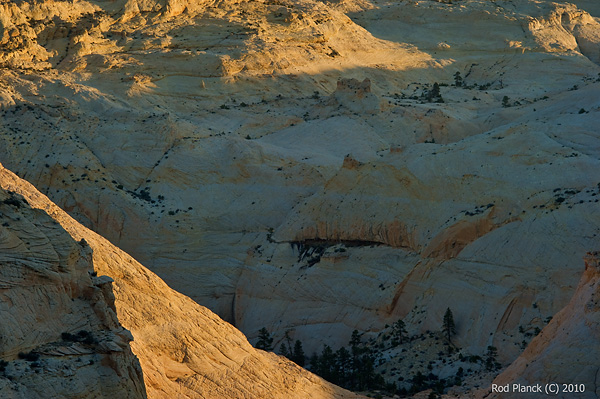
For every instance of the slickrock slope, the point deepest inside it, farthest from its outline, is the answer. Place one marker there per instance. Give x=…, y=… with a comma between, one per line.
x=287, y=165
x=207, y=39
x=184, y=349
x=60, y=336
x=567, y=350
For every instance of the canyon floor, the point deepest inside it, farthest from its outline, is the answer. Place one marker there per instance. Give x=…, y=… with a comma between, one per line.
x=315, y=168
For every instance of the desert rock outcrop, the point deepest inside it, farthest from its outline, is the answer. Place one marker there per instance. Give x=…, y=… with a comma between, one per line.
x=60, y=336
x=566, y=351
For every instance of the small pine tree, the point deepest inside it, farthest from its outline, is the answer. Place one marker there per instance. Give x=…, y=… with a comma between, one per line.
x=314, y=363
x=435, y=92
x=448, y=326
x=458, y=80
x=490, y=358
x=298, y=355
x=399, y=331
x=265, y=341
x=286, y=345
x=327, y=365
x=459, y=376
x=343, y=365
x=355, y=341
x=284, y=350
x=418, y=382
x=505, y=102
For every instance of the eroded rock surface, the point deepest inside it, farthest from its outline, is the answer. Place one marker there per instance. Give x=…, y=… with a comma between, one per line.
x=566, y=351
x=213, y=142
x=61, y=337
x=184, y=349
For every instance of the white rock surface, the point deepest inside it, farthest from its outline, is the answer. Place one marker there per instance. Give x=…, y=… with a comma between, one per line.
x=47, y=292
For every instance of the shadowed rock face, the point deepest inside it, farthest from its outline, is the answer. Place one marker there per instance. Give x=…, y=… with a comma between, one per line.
x=209, y=140
x=184, y=349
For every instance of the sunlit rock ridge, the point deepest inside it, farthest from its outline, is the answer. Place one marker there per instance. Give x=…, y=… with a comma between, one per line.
x=287, y=164
x=145, y=340
x=566, y=349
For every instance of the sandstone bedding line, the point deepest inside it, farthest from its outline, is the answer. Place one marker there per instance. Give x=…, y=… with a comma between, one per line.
x=61, y=337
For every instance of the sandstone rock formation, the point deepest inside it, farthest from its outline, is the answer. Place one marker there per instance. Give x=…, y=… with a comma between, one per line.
x=184, y=349
x=566, y=351
x=60, y=336
x=356, y=96
x=211, y=141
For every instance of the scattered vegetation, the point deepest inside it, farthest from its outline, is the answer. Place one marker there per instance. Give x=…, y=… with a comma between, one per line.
x=295, y=353
x=490, y=359
x=82, y=336
x=265, y=341
x=352, y=369
x=311, y=251
x=432, y=95
x=30, y=356
x=458, y=80
x=448, y=326
x=357, y=366
x=399, y=332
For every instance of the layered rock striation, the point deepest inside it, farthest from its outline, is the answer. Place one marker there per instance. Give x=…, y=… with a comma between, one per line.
x=60, y=334
x=566, y=351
